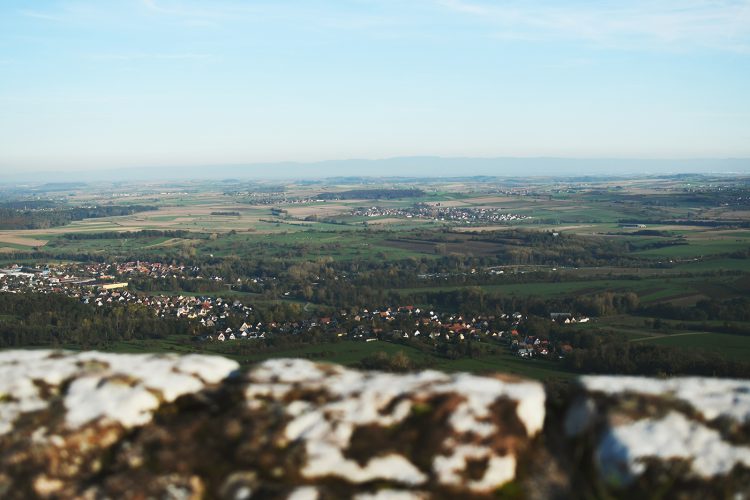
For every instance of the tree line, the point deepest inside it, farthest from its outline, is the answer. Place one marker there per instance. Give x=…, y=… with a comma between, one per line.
x=371, y=194
x=13, y=218
x=145, y=233
x=53, y=320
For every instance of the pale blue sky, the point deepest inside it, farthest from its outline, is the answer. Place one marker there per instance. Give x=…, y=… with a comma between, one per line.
x=102, y=84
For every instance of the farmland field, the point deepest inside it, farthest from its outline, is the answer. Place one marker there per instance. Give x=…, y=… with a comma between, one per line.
x=731, y=346
x=352, y=353
x=651, y=261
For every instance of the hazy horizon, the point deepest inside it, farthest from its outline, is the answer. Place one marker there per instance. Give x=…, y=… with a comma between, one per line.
x=417, y=167
x=86, y=86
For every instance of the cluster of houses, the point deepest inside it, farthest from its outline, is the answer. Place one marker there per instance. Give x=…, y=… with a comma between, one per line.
x=270, y=198
x=154, y=269
x=439, y=213
x=91, y=285
x=567, y=318
x=208, y=311
x=226, y=320
x=530, y=346
x=246, y=331
x=405, y=322
x=387, y=323
x=64, y=278
x=16, y=279
x=102, y=271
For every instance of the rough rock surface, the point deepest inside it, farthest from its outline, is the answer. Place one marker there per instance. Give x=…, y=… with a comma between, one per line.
x=688, y=437
x=96, y=425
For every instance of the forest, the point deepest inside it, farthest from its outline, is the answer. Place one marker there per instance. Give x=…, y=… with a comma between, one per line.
x=371, y=194
x=34, y=320
x=43, y=218
x=668, y=298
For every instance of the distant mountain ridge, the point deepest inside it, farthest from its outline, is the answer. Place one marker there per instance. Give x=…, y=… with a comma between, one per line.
x=412, y=166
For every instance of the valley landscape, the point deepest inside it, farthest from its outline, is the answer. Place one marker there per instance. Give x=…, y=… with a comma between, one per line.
x=543, y=277
x=374, y=250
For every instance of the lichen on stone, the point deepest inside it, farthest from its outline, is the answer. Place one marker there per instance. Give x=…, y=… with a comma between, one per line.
x=711, y=397
x=99, y=425
x=124, y=388
x=691, y=429
x=624, y=447
x=347, y=400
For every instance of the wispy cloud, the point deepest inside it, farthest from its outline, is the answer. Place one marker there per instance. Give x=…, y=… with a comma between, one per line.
x=657, y=24
x=38, y=15
x=147, y=56
x=640, y=24
x=225, y=12
x=465, y=7
x=382, y=17
x=185, y=10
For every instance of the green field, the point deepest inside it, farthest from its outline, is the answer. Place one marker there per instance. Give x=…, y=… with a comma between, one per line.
x=649, y=289
x=15, y=246
x=731, y=346
x=669, y=242
x=697, y=248
x=350, y=353
x=717, y=264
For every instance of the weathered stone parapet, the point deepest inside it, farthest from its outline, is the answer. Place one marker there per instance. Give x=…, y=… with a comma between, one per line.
x=424, y=430
x=96, y=425
x=688, y=437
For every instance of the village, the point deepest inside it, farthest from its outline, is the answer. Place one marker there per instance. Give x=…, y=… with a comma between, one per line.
x=219, y=319
x=440, y=213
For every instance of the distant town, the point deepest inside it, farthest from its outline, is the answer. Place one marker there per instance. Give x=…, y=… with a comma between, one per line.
x=227, y=319
x=440, y=213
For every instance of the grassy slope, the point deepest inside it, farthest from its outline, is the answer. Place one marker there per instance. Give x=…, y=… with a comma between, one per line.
x=350, y=353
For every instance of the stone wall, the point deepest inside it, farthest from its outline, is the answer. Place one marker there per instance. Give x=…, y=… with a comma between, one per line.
x=96, y=425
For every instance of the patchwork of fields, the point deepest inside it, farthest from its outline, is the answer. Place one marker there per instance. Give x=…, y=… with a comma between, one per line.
x=568, y=241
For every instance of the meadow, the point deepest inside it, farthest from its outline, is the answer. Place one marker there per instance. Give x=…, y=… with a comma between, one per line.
x=656, y=238
x=352, y=353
